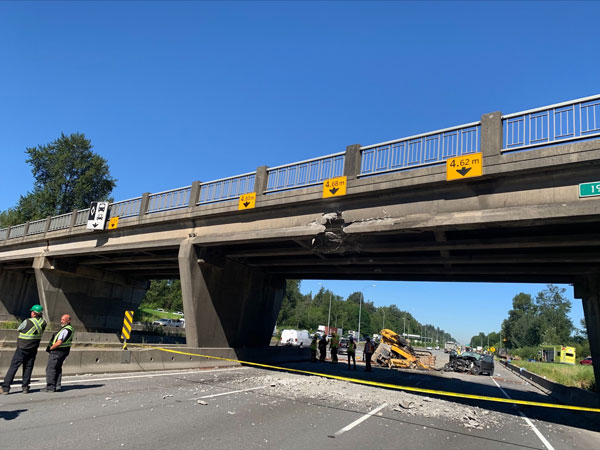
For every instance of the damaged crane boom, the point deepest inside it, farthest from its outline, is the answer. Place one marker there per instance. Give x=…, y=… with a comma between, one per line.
x=395, y=351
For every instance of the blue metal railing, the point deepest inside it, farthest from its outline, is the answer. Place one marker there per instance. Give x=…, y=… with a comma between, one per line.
x=171, y=199
x=420, y=150
x=572, y=120
x=305, y=173
x=226, y=188
x=122, y=209
x=567, y=121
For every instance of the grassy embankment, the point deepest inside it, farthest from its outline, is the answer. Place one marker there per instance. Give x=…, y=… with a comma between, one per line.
x=150, y=315
x=577, y=375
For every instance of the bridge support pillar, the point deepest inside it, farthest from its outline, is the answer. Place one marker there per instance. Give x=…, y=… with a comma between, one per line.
x=95, y=300
x=588, y=291
x=227, y=304
x=18, y=294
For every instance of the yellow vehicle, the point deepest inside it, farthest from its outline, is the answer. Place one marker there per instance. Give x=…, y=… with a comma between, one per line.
x=395, y=351
x=558, y=354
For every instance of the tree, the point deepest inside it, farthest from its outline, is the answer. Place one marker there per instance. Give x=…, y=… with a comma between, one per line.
x=68, y=175
x=553, y=309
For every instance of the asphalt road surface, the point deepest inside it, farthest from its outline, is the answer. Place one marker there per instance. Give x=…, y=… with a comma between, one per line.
x=252, y=408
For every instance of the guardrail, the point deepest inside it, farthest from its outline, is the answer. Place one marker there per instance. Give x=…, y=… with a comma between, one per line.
x=550, y=125
x=305, y=173
x=567, y=121
x=226, y=188
x=420, y=150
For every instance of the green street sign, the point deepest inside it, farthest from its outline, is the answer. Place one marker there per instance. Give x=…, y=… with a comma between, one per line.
x=589, y=189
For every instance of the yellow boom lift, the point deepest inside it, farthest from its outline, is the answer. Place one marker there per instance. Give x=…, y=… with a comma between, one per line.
x=395, y=351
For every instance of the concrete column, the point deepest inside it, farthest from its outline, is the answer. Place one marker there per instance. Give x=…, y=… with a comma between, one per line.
x=144, y=204
x=227, y=304
x=491, y=134
x=588, y=291
x=352, y=161
x=96, y=300
x=18, y=294
x=260, y=182
x=194, y=194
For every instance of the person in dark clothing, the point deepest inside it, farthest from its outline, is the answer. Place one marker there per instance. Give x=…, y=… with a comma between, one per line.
x=368, y=353
x=59, y=348
x=313, y=349
x=322, y=348
x=351, y=352
x=30, y=335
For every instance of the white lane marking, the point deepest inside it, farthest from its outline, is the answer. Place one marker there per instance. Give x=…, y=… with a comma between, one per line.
x=360, y=420
x=529, y=422
x=227, y=393
x=150, y=375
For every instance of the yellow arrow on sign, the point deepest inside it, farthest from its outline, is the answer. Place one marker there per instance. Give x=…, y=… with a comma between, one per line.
x=334, y=187
x=247, y=201
x=464, y=167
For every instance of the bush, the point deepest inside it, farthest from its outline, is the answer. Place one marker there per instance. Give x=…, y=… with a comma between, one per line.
x=527, y=352
x=9, y=325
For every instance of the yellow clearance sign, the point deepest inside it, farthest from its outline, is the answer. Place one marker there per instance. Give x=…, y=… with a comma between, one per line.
x=334, y=187
x=464, y=167
x=113, y=223
x=247, y=201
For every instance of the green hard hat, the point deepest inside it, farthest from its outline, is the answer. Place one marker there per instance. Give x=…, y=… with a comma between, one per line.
x=37, y=309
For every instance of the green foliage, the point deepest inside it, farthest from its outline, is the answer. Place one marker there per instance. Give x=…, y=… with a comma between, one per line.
x=68, y=175
x=545, y=321
x=9, y=325
x=527, y=353
x=568, y=375
x=165, y=294
x=300, y=311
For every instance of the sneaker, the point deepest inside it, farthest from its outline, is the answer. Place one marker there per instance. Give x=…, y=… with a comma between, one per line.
x=25, y=390
x=47, y=390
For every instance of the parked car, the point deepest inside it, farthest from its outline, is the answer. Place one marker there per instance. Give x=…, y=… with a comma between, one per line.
x=168, y=323
x=586, y=361
x=179, y=313
x=296, y=338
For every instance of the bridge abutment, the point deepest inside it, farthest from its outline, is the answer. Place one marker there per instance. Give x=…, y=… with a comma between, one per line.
x=588, y=291
x=227, y=304
x=95, y=300
x=17, y=294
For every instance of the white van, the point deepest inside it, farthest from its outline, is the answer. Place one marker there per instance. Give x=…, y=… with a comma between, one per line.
x=297, y=338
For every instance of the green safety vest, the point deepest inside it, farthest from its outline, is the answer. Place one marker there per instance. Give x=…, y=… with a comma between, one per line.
x=35, y=331
x=351, y=347
x=67, y=342
x=313, y=344
x=335, y=341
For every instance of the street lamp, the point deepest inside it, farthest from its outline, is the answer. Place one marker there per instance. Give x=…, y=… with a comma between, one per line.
x=361, y=299
x=329, y=314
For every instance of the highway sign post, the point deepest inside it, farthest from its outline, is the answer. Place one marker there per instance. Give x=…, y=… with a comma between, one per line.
x=589, y=189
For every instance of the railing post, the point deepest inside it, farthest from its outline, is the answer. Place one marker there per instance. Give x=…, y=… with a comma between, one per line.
x=26, y=230
x=352, y=161
x=73, y=219
x=491, y=134
x=8, y=232
x=144, y=204
x=261, y=180
x=47, y=226
x=194, y=194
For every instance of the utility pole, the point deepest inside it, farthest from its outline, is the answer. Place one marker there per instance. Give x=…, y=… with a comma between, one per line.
x=404, y=319
x=383, y=325
x=329, y=315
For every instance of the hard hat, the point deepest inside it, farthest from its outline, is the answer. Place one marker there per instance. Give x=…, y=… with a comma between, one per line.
x=37, y=309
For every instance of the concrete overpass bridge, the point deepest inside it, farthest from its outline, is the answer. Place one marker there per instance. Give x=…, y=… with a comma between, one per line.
x=522, y=220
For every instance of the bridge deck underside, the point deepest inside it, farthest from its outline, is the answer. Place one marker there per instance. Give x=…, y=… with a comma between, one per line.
x=548, y=253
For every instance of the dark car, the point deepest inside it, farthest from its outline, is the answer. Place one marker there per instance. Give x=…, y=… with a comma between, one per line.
x=471, y=362
x=343, y=347
x=586, y=361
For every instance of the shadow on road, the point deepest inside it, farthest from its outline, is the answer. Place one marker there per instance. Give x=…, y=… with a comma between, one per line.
x=10, y=415
x=481, y=385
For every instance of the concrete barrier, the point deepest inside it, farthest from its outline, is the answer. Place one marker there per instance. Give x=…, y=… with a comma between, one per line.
x=567, y=395
x=101, y=360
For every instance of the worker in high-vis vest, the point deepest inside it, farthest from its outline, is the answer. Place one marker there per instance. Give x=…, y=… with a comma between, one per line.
x=59, y=348
x=30, y=335
x=313, y=348
x=333, y=346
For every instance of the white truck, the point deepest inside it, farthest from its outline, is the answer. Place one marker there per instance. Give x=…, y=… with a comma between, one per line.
x=295, y=338
x=449, y=347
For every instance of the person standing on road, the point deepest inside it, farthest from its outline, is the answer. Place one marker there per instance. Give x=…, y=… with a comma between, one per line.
x=322, y=348
x=368, y=352
x=313, y=349
x=59, y=348
x=30, y=335
x=333, y=346
x=351, y=352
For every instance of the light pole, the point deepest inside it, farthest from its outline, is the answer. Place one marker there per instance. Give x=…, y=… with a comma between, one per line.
x=362, y=295
x=404, y=320
x=329, y=314
x=383, y=324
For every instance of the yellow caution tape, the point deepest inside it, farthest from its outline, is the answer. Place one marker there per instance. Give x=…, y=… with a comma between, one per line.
x=387, y=385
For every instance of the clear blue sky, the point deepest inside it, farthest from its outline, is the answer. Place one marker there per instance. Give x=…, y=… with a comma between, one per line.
x=172, y=92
